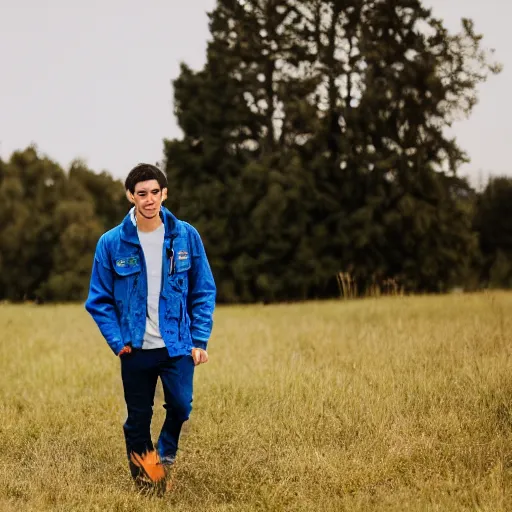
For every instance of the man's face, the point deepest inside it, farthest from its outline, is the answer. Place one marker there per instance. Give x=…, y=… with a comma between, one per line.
x=147, y=198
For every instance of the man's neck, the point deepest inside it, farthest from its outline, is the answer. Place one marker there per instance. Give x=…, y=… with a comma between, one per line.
x=147, y=225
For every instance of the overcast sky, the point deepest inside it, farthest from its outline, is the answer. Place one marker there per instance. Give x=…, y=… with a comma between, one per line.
x=92, y=79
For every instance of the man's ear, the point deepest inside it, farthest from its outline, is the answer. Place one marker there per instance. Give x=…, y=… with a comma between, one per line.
x=129, y=196
x=164, y=194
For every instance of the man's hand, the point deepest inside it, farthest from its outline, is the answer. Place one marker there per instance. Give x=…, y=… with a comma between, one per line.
x=199, y=356
x=125, y=350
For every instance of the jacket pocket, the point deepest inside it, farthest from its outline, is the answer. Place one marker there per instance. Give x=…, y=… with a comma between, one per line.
x=125, y=281
x=125, y=291
x=179, y=279
x=175, y=290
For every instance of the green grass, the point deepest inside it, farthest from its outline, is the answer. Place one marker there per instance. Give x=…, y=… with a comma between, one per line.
x=372, y=405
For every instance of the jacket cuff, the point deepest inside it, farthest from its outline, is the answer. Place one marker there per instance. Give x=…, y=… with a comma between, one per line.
x=117, y=347
x=199, y=344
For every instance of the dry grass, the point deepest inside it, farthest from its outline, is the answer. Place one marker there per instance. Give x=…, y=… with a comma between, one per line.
x=372, y=405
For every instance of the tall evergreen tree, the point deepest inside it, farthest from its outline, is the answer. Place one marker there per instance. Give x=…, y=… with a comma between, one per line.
x=330, y=116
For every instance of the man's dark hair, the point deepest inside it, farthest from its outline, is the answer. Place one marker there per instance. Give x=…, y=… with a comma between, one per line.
x=144, y=172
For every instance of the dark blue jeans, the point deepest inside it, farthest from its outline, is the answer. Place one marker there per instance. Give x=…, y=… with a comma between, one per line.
x=140, y=371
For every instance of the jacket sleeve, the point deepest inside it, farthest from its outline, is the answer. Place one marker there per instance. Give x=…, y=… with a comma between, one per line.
x=201, y=293
x=100, y=302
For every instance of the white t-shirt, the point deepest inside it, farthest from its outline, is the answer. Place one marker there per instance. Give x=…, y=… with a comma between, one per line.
x=152, y=246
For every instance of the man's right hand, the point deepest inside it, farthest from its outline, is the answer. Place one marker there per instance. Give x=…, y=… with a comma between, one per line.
x=125, y=350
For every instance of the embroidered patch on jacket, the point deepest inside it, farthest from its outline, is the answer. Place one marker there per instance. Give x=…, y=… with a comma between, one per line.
x=132, y=261
x=183, y=255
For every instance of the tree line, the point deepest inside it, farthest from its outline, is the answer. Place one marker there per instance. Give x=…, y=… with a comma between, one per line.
x=314, y=146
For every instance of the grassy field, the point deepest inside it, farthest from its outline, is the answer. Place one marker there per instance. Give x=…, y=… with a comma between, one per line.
x=373, y=405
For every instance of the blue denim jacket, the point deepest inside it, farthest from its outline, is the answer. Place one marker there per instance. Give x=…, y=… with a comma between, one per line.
x=118, y=290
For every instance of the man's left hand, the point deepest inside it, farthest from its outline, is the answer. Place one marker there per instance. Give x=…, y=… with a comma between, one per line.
x=199, y=356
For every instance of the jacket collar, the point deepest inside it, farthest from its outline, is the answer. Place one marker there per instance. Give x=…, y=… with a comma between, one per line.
x=129, y=226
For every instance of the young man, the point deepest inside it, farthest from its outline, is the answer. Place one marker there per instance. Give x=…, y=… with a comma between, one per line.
x=152, y=295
